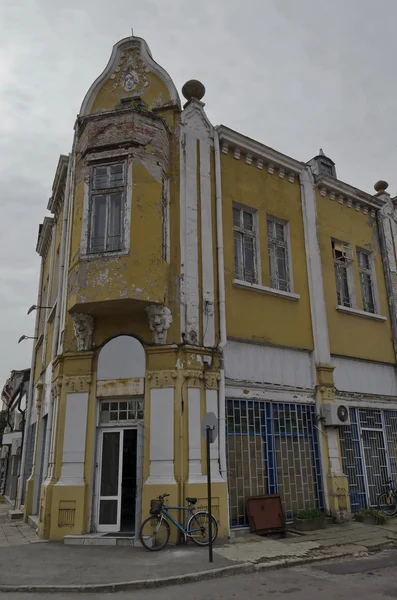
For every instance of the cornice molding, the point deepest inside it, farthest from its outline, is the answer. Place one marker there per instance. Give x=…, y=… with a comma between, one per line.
x=287, y=168
x=58, y=186
x=261, y=154
x=45, y=234
x=343, y=192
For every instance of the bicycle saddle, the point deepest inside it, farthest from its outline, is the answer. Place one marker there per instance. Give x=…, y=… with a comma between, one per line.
x=191, y=500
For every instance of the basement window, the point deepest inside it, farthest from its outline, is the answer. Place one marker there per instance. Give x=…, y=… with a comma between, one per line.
x=107, y=192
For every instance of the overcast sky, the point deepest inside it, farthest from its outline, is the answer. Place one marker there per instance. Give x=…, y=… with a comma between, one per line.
x=296, y=75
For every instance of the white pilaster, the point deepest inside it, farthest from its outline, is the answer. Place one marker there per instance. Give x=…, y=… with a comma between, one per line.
x=189, y=244
x=54, y=431
x=389, y=242
x=195, y=150
x=74, y=440
x=212, y=406
x=335, y=467
x=194, y=412
x=161, y=437
x=322, y=353
x=207, y=250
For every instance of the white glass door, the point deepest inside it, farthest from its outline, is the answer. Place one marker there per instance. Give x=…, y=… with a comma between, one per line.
x=139, y=479
x=110, y=452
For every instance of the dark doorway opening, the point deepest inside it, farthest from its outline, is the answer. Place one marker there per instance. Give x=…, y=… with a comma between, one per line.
x=128, y=482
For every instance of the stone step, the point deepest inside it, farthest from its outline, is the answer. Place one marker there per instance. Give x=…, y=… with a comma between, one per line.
x=15, y=515
x=100, y=539
x=33, y=521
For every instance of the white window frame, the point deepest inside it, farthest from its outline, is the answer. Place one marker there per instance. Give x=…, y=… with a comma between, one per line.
x=338, y=244
x=107, y=192
x=371, y=271
x=93, y=161
x=43, y=306
x=53, y=297
x=255, y=236
x=287, y=245
x=55, y=276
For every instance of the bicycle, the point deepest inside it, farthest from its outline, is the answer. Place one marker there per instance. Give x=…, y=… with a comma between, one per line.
x=388, y=500
x=155, y=530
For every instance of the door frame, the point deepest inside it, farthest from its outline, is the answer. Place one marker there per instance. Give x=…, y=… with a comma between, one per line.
x=113, y=528
x=364, y=462
x=139, y=427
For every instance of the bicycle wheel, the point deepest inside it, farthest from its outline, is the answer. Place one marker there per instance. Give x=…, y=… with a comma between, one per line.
x=387, y=503
x=154, y=533
x=198, y=528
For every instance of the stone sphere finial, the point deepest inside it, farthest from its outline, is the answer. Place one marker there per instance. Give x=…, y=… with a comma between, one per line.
x=381, y=186
x=193, y=89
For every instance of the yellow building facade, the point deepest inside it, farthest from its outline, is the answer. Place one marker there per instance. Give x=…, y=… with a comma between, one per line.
x=186, y=269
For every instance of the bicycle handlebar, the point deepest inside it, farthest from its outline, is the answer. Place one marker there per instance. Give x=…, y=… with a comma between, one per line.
x=162, y=496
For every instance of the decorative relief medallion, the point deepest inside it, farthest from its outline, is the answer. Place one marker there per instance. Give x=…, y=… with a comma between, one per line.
x=160, y=319
x=158, y=379
x=78, y=383
x=131, y=80
x=83, y=327
x=130, y=72
x=327, y=392
x=212, y=380
x=57, y=387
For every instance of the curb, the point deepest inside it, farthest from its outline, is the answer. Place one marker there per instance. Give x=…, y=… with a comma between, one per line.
x=145, y=584
x=138, y=584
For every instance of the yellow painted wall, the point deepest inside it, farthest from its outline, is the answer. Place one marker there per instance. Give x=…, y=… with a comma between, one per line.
x=252, y=315
x=40, y=346
x=351, y=335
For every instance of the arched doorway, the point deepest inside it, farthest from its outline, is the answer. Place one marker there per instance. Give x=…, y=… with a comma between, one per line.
x=120, y=397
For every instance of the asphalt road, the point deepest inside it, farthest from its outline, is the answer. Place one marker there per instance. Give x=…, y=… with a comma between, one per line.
x=366, y=578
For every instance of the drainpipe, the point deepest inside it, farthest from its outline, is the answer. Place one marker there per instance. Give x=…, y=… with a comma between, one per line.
x=222, y=309
x=30, y=395
x=57, y=319
x=23, y=422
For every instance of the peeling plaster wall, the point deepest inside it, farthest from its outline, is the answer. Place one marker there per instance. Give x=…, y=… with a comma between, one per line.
x=197, y=234
x=142, y=274
x=126, y=128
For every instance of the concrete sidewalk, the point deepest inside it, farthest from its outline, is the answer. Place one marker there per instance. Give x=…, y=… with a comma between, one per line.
x=58, y=567
x=15, y=533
